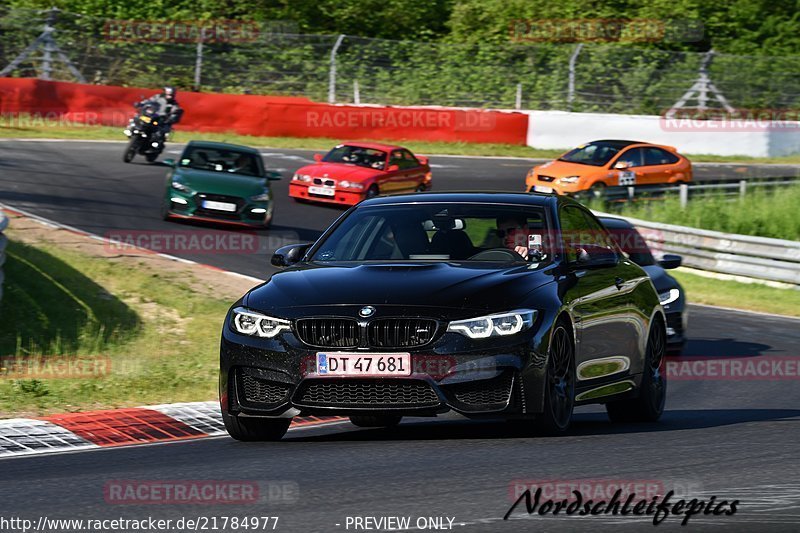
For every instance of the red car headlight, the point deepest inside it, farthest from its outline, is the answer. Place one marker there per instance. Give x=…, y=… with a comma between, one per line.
x=351, y=185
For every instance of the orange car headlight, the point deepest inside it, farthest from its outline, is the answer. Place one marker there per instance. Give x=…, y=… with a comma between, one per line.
x=569, y=179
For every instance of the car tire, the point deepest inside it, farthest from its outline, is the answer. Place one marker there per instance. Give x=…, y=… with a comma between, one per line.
x=559, y=394
x=375, y=421
x=420, y=188
x=165, y=210
x=255, y=429
x=648, y=406
x=372, y=192
x=597, y=190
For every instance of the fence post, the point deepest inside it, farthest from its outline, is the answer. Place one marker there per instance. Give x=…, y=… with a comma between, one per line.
x=630, y=193
x=518, y=100
x=742, y=188
x=332, y=73
x=684, y=195
x=571, y=87
x=356, y=93
x=198, y=63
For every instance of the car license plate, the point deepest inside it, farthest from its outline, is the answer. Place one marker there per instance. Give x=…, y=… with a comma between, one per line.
x=363, y=364
x=542, y=188
x=219, y=206
x=323, y=191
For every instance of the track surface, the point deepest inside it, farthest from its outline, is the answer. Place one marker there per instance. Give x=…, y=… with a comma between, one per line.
x=732, y=439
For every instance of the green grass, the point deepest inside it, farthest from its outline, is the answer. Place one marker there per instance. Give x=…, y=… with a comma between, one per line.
x=749, y=296
x=160, y=335
x=41, y=130
x=763, y=213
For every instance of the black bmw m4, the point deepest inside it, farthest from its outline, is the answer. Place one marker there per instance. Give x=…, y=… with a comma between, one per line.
x=499, y=305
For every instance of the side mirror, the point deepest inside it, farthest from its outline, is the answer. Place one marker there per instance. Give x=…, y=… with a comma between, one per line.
x=622, y=165
x=393, y=168
x=272, y=175
x=317, y=157
x=169, y=162
x=288, y=255
x=670, y=261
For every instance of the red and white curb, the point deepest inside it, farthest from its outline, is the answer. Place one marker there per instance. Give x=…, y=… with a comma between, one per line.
x=120, y=427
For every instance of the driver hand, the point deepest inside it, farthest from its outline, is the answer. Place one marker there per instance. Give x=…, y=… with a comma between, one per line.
x=522, y=250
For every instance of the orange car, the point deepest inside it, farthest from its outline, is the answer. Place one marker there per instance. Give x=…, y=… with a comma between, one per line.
x=599, y=164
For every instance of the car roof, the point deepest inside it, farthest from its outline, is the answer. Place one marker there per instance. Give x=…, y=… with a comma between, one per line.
x=518, y=198
x=374, y=146
x=614, y=222
x=222, y=146
x=617, y=143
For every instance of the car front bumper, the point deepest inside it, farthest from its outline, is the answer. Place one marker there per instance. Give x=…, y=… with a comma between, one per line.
x=278, y=378
x=248, y=212
x=300, y=191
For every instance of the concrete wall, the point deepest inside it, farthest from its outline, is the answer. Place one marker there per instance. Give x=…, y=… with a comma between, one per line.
x=562, y=130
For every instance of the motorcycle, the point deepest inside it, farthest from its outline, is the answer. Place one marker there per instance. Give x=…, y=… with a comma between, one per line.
x=144, y=134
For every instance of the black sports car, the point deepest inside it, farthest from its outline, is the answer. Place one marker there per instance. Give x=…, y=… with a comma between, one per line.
x=518, y=306
x=670, y=292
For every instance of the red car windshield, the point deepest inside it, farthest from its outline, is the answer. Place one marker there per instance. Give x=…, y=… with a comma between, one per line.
x=357, y=155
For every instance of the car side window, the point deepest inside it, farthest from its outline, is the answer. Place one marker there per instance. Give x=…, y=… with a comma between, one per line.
x=634, y=158
x=580, y=230
x=397, y=159
x=657, y=156
x=409, y=161
x=572, y=224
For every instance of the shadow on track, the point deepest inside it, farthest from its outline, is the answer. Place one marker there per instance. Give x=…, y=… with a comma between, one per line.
x=583, y=425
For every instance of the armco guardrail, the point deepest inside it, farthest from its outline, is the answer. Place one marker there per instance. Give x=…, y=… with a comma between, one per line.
x=726, y=253
x=685, y=191
x=3, y=243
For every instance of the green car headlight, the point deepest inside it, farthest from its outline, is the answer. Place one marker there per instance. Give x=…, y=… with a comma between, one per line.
x=257, y=325
x=500, y=325
x=178, y=186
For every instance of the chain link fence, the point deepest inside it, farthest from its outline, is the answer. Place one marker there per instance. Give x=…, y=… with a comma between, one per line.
x=613, y=78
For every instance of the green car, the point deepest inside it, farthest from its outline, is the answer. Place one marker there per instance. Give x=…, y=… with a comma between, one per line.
x=219, y=182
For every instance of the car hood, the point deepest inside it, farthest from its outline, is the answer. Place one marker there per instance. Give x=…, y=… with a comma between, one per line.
x=562, y=169
x=471, y=288
x=339, y=171
x=220, y=182
x=661, y=280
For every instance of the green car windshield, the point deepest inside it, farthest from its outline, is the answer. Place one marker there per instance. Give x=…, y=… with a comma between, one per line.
x=220, y=160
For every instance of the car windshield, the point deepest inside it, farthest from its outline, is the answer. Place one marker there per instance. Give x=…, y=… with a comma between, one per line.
x=633, y=244
x=596, y=154
x=438, y=232
x=357, y=155
x=221, y=160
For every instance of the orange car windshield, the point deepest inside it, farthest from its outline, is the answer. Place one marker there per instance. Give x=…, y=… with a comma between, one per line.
x=595, y=154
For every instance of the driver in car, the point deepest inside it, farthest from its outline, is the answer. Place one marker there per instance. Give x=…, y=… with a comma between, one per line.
x=512, y=230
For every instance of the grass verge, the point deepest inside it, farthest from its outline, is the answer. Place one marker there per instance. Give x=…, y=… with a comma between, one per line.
x=762, y=213
x=158, y=335
x=59, y=131
x=746, y=296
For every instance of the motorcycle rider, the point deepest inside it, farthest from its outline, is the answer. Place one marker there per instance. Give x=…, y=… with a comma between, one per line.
x=167, y=107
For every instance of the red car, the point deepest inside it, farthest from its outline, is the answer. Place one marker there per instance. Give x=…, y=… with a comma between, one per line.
x=351, y=172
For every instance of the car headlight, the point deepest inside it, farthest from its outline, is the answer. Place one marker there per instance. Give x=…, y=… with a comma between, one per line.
x=301, y=177
x=263, y=197
x=178, y=186
x=351, y=185
x=258, y=325
x=669, y=296
x=569, y=179
x=494, y=325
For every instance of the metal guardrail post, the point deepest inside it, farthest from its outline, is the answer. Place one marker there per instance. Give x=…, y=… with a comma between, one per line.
x=518, y=99
x=571, y=87
x=684, y=195
x=356, y=93
x=742, y=188
x=332, y=73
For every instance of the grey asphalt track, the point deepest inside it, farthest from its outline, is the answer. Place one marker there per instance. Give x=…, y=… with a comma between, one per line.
x=733, y=439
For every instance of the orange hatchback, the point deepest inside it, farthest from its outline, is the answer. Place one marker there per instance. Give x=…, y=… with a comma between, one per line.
x=599, y=164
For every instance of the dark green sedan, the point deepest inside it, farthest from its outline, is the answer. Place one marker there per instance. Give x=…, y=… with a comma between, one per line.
x=219, y=182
